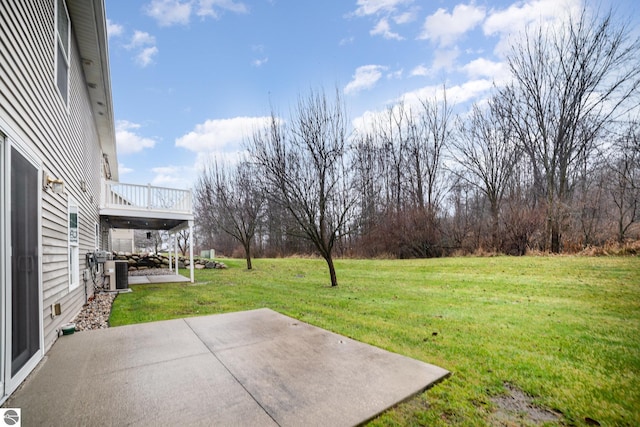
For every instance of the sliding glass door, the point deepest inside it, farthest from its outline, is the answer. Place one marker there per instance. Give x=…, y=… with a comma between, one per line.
x=25, y=299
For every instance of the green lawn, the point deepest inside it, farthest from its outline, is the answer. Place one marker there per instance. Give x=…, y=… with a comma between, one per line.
x=565, y=330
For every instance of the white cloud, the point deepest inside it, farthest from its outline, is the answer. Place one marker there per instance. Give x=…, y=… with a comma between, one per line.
x=368, y=121
x=346, y=41
x=145, y=46
x=178, y=12
x=122, y=169
x=513, y=20
x=365, y=77
x=166, y=169
x=412, y=101
x=395, y=74
x=145, y=57
x=113, y=29
x=128, y=141
x=166, y=175
x=208, y=7
x=405, y=17
x=141, y=39
x=386, y=10
x=444, y=59
x=173, y=176
x=382, y=28
x=517, y=16
x=445, y=28
x=372, y=7
x=482, y=67
x=221, y=135
x=260, y=62
x=455, y=94
x=420, y=71
x=169, y=12
x=204, y=160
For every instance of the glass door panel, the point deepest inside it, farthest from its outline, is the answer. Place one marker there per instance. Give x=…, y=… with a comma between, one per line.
x=25, y=326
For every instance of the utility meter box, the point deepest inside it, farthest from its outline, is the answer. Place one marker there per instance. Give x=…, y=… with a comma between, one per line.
x=102, y=256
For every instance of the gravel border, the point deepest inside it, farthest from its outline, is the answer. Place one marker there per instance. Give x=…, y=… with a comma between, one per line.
x=95, y=314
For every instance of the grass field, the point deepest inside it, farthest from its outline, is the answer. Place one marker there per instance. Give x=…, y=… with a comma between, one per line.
x=563, y=330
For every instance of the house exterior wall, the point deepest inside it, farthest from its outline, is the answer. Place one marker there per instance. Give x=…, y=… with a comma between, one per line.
x=64, y=139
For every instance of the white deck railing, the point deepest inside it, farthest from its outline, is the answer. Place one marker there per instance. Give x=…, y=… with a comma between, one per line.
x=116, y=195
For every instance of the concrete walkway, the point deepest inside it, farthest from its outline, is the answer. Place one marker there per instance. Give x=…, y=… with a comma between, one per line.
x=253, y=368
x=162, y=278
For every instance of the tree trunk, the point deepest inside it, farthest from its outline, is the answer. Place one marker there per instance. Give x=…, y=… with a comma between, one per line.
x=555, y=237
x=247, y=254
x=332, y=271
x=495, y=224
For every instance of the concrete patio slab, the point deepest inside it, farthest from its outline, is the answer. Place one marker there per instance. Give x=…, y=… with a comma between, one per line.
x=256, y=368
x=162, y=278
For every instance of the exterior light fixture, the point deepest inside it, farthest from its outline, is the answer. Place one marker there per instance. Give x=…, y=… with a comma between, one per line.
x=55, y=184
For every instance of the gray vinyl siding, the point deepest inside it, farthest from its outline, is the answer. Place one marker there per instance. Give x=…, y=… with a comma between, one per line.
x=64, y=138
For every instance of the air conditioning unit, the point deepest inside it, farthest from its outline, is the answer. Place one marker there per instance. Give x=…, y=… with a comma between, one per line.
x=117, y=273
x=110, y=274
x=122, y=274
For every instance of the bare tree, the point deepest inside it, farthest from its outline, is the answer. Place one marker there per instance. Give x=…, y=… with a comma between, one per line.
x=625, y=182
x=304, y=166
x=182, y=239
x=149, y=239
x=368, y=180
x=233, y=201
x=488, y=153
x=569, y=83
x=398, y=169
x=394, y=138
x=589, y=209
x=437, y=128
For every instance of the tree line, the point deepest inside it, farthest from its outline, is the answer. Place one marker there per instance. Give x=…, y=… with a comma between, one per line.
x=550, y=161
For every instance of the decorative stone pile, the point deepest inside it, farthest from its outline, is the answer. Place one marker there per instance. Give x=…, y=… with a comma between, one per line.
x=138, y=262
x=95, y=314
x=199, y=264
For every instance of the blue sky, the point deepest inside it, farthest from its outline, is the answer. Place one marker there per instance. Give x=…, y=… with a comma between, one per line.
x=192, y=78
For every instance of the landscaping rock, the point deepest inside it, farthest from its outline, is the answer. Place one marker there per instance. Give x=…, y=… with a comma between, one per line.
x=95, y=314
x=146, y=261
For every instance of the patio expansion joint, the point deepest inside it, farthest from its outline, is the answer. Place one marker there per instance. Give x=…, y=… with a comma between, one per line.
x=146, y=364
x=213, y=353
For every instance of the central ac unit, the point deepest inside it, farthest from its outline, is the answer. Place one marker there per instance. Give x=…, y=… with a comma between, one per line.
x=122, y=274
x=110, y=274
x=117, y=272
